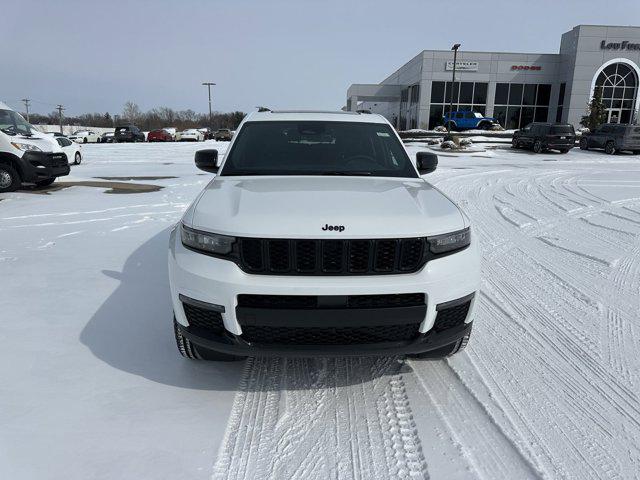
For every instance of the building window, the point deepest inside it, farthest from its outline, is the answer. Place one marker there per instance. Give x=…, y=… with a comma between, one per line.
x=466, y=96
x=517, y=104
x=619, y=86
x=563, y=88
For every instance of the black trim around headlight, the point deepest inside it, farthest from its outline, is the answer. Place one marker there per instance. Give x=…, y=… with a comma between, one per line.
x=206, y=242
x=449, y=242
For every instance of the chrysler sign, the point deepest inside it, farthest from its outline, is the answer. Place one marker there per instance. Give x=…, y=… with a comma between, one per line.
x=463, y=66
x=604, y=45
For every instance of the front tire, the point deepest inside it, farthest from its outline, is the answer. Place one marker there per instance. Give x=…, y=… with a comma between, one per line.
x=77, y=159
x=515, y=143
x=193, y=352
x=9, y=179
x=584, y=144
x=610, y=148
x=537, y=146
x=84, y=140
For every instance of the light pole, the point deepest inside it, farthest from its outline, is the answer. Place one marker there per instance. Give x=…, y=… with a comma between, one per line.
x=453, y=83
x=209, y=85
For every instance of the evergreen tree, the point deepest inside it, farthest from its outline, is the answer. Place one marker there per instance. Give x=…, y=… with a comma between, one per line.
x=596, y=111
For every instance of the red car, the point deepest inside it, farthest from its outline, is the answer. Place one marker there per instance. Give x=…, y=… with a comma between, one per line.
x=160, y=135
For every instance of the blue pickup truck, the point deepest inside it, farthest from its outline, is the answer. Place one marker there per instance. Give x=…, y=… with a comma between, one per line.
x=465, y=120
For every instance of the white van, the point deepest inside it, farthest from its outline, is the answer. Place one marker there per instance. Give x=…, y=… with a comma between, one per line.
x=26, y=154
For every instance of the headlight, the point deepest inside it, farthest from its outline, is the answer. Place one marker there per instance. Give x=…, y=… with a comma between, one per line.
x=449, y=241
x=206, y=242
x=26, y=147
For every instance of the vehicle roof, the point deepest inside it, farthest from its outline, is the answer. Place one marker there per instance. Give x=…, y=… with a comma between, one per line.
x=310, y=115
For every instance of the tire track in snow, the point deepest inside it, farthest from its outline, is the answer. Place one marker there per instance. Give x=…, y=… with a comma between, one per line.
x=491, y=453
x=554, y=366
x=325, y=418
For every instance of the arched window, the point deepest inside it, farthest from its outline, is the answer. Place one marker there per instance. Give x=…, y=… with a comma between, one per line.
x=619, y=85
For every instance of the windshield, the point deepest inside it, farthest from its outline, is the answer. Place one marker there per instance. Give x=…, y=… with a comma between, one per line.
x=318, y=148
x=12, y=123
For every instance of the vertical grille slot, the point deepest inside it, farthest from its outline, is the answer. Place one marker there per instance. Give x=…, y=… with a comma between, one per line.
x=306, y=257
x=411, y=253
x=359, y=254
x=385, y=258
x=251, y=254
x=332, y=251
x=278, y=255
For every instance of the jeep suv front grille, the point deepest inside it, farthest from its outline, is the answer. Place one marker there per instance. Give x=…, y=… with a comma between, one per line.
x=332, y=257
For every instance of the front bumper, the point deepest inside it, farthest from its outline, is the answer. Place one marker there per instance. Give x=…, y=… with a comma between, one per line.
x=37, y=166
x=219, y=282
x=236, y=345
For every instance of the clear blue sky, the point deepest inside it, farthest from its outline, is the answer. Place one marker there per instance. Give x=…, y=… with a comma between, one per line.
x=94, y=56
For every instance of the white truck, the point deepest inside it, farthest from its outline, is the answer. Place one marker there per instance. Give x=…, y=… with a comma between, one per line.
x=319, y=236
x=26, y=154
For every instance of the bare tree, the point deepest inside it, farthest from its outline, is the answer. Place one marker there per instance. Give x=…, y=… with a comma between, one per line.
x=131, y=111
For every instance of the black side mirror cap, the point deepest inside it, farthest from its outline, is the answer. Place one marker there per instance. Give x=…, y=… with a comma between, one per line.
x=427, y=162
x=207, y=160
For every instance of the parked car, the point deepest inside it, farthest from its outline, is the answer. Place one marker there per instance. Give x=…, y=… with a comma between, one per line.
x=128, y=133
x=206, y=133
x=466, y=120
x=325, y=275
x=191, y=135
x=222, y=134
x=73, y=150
x=26, y=154
x=540, y=136
x=613, y=137
x=84, y=136
x=171, y=130
x=107, y=137
x=159, y=135
x=56, y=134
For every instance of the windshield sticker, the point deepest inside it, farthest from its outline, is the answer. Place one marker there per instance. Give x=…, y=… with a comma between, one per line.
x=382, y=134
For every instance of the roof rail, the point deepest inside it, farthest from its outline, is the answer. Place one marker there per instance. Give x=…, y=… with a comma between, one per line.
x=336, y=112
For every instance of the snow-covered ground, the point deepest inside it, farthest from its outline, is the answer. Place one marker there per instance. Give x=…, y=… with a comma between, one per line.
x=549, y=386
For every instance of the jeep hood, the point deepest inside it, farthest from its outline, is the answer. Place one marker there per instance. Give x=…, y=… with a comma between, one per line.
x=299, y=207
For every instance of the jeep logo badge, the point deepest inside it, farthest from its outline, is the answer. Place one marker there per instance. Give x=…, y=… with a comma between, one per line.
x=333, y=228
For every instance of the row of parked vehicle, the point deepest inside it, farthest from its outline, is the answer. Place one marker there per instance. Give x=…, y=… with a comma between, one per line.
x=611, y=137
x=131, y=133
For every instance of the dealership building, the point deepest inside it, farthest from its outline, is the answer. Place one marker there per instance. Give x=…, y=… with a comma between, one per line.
x=514, y=88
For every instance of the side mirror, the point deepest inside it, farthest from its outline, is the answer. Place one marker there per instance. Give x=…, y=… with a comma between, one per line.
x=427, y=162
x=207, y=160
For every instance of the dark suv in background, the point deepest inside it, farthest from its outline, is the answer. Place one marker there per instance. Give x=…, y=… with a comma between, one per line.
x=128, y=133
x=613, y=137
x=545, y=136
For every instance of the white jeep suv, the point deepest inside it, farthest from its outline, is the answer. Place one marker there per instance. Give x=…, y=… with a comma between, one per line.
x=318, y=236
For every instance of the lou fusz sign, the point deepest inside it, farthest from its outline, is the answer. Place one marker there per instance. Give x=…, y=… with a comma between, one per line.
x=604, y=45
x=463, y=65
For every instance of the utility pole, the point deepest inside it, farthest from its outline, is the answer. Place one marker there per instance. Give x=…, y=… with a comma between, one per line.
x=60, y=110
x=26, y=102
x=209, y=85
x=453, y=84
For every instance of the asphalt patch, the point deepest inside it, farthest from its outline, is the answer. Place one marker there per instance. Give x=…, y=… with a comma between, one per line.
x=112, y=187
